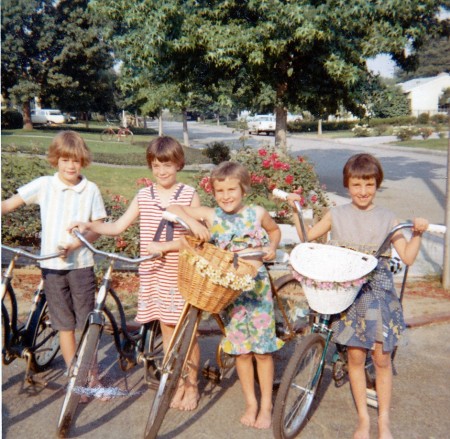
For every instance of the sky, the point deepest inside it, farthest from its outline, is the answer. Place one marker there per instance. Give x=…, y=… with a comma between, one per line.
x=383, y=65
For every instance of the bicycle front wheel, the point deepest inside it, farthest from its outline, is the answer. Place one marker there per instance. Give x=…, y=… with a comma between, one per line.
x=107, y=135
x=78, y=377
x=154, y=352
x=45, y=340
x=298, y=387
x=171, y=372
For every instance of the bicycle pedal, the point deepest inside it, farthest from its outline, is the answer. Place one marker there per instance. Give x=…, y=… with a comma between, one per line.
x=212, y=374
x=372, y=399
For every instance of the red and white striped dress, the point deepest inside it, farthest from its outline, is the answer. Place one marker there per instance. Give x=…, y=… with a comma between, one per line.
x=159, y=298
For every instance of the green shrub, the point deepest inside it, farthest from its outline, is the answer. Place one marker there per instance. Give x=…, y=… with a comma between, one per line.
x=12, y=120
x=440, y=118
x=426, y=132
x=406, y=132
x=301, y=126
x=423, y=118
x=217, y=152
x=21, y=227
x=363, y=131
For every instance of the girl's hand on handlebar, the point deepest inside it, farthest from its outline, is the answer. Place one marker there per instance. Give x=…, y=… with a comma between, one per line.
x=269, y=253
x=420, y=225
x=292, y=198
x=82, y=227
x=200, y=231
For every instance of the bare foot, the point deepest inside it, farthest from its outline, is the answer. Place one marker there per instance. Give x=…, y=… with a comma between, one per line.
x=362, y=431
x=178, y=397
x=384, y=430
x=249, y=416
x=264, y=419
x=190, y=397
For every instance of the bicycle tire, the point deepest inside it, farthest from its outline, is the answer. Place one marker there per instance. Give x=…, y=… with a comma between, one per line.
x=154, y=350
x=6, y=333
x=298, y=387
x=107, y=135
x=171, y=373
x=78, y=377
x=45, y=336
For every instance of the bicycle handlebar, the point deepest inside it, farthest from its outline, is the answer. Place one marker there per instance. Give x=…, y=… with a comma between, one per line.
x=113, y=256
x=24, y=253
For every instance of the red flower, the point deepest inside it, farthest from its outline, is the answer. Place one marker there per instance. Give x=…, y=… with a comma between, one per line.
x=205, y=184
x=266, y=164
x=277, y=165
x=314, y=198
x=144, y=182
x=262, y=152
x=289, y=179
x=300, y=159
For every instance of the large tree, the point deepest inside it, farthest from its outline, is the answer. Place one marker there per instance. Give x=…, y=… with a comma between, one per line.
x=28, y=32
x=286, y=53
x=52, y=51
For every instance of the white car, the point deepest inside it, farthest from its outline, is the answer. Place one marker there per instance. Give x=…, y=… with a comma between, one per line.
x=47, y=116
x=261, y=124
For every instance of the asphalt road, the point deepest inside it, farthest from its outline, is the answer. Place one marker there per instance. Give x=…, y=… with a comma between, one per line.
x=421, y=398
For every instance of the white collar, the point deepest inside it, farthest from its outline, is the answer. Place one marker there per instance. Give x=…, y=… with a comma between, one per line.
x=63, y=187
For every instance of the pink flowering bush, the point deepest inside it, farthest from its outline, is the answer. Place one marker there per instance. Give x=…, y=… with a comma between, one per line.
x=270, y=169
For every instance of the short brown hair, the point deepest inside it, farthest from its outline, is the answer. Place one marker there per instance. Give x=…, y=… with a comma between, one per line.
x=363, y=166
x=165, y=149
x=68, y=144
x=231, y=170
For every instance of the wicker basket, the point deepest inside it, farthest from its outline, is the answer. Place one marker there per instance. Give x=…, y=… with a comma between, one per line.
x=330, y=276
x=200, y=289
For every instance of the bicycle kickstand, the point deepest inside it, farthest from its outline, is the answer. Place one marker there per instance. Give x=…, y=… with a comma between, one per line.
x=29, y=376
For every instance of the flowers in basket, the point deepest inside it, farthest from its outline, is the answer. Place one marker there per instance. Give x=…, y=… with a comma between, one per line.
x=227, y=280
x=329, y=285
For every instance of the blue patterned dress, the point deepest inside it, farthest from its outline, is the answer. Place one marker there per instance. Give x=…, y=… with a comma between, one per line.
x=250, y=323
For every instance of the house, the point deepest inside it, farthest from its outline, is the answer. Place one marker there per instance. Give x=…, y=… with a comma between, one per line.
x=424, y=93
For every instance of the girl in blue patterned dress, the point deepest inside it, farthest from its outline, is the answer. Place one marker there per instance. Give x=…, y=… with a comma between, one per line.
x=250, y=331
x=375, y=320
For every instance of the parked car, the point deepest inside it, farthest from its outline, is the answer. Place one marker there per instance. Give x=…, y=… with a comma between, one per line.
x=47, y=116
x=261, y=124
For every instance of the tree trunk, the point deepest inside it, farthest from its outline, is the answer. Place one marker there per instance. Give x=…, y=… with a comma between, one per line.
x=319, y=127
x=160, y=124
x=281, y=128
x=26, y=110
x=185, y=129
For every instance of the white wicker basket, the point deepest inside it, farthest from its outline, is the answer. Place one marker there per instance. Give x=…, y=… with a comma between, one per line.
x=330, y=276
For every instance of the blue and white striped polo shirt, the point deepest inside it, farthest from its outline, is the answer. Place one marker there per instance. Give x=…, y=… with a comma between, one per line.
x=60, y=206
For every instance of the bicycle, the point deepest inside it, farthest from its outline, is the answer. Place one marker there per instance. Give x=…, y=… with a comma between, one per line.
x=141, y=347
x=121, y=133
x=35, y=340
x=302, y=376
x=290, y=324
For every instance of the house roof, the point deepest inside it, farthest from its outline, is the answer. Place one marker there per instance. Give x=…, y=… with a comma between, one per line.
x=418, y=82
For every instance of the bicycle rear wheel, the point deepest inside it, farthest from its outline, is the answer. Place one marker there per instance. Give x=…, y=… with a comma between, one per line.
x=78, y=377
x=171, y=372
x=45, y=339
x=298, y=387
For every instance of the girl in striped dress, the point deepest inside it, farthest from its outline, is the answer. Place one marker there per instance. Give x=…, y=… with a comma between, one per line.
x=159, y=298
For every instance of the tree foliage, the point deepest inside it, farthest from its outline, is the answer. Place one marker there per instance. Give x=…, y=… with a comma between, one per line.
x=52, y=50
x=275, y=54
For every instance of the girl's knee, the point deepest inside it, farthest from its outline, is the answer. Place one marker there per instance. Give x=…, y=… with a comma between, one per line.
x=263, y=358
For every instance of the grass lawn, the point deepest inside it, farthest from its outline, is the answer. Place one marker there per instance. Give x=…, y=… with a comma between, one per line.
x=432, y=144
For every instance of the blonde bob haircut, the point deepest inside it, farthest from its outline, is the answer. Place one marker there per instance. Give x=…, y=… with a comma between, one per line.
x=68, y=145
x=364, y=166
x=231, y=170
x=165, y=149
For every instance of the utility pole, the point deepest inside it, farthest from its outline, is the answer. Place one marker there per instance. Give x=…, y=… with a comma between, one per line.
x=446, y=268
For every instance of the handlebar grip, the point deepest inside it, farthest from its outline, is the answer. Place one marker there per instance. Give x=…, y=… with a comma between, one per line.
x=436, y=228
x=278, y=193
x=169, y=216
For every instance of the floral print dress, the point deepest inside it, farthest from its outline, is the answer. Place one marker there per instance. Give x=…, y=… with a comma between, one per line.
x=250, y=321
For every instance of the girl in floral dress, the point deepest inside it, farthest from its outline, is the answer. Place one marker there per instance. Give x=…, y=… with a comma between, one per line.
x=375, y=320
x=250, y=331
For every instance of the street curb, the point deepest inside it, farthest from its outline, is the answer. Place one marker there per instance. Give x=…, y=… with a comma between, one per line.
x=418, y=321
